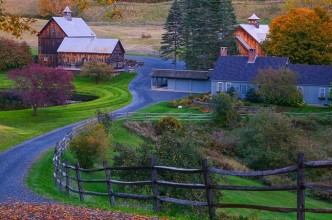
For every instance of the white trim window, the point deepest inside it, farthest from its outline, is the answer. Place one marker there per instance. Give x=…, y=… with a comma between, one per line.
x=220, y=86
x=321, y=92
x=228, y=86
x=299, y=89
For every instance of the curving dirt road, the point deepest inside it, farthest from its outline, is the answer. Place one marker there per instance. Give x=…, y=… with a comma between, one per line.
x=15, y=162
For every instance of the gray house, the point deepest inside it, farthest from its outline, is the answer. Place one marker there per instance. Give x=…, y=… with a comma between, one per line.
x=240, y=71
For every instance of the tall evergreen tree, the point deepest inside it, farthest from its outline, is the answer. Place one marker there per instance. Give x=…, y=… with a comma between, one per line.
x=204, y=26
x=171, y=38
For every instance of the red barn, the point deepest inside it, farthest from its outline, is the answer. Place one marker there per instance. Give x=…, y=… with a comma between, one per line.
x=77, y=44
x=250, y=36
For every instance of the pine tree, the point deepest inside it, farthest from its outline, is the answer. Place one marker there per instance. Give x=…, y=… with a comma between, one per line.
x=171, y=38
x=201, y=27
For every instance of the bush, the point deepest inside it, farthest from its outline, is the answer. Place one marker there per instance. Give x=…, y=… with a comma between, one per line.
x=224, y=113
x=14, y=54
x=105, y=119
x=168, y=124
x=253, y=96
x=90, y=144
x=268, y=141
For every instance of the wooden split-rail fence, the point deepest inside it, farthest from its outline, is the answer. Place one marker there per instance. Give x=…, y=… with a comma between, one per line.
x=69, y=179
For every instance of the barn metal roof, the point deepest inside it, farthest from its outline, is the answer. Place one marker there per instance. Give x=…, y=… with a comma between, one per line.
x=259, y=34
x=74, y=28
x=88, y=45
x=253, y=17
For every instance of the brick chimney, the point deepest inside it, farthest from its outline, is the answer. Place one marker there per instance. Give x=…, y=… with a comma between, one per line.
x=223, y=51
x=252, y=55
x=67, y=14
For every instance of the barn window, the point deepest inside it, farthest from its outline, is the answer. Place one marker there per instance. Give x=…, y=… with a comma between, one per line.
x=114, y=65
x=45, y=59
x=120, y=64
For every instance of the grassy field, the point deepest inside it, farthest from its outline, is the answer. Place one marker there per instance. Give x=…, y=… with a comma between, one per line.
x=20, y=125
x=130, y=30
x=40, y=180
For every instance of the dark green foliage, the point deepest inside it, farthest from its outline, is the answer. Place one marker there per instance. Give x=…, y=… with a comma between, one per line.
x=170, y=40
x=14, y=54
x=253, y=96
x=232, y=92
x=168, y=124
x=224, y=113
x=268, y=141
x=171, y=149
x=278, y=86
x=90, y=144
x=199, y=28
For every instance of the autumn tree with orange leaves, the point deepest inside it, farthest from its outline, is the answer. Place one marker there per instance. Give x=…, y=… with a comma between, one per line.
x=303, y=35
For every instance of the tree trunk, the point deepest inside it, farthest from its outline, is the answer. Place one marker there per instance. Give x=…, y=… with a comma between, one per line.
x=34, y=110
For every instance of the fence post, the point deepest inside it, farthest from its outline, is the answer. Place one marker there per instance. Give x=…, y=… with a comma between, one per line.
x=67, y=170
x=209, y=192
x=109, y=184
x=62, y=174
x=300, y=187
x=154, y=177
x=79, y=184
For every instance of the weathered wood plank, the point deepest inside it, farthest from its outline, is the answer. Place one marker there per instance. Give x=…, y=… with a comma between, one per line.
x=300, y=187
x=254, y=173
x=254, y=188
x=182, y=201
x=318, y=187
x=154, y=177
x=181, y=185
x=318, y=164
x=177, y=169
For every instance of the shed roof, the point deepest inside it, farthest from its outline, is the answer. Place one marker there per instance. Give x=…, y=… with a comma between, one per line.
x=259, y=34
x=74, y=28
x=180, y=74
x=88, y=45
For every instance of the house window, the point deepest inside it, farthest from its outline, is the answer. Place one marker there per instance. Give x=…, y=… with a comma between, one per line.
x=321, y=92
x=228, y=86
x=120, y=64
x=219, y=86
x=299, y=89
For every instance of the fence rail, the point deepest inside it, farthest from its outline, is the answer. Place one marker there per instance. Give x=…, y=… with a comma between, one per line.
x=65, y=176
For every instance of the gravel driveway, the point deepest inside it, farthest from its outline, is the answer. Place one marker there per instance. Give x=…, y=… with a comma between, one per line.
x=15, y=162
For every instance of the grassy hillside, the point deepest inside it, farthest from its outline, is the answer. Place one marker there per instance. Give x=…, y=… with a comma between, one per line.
x=17, y=126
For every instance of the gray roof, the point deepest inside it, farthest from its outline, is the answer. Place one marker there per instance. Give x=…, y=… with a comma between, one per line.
x=259, y=34
x=237, y=69
x=88, y=45
x=74, y=28
x=180, y=74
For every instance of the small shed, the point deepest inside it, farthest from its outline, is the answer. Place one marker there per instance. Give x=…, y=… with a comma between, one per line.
x=181, y=80
x=74, y=52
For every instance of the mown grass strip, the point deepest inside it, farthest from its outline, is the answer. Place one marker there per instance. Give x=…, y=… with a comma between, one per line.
x=20, y=125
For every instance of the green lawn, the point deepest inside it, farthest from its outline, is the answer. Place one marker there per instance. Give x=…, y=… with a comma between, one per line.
x=40, y=180
x=20, y=125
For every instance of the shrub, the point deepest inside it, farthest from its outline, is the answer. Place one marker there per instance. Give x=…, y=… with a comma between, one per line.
x=90, y=144
x=105, y=119
x=224, y=113
x=253, y=96
x=268, y=141
x=14, y=54
x=168, y=124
